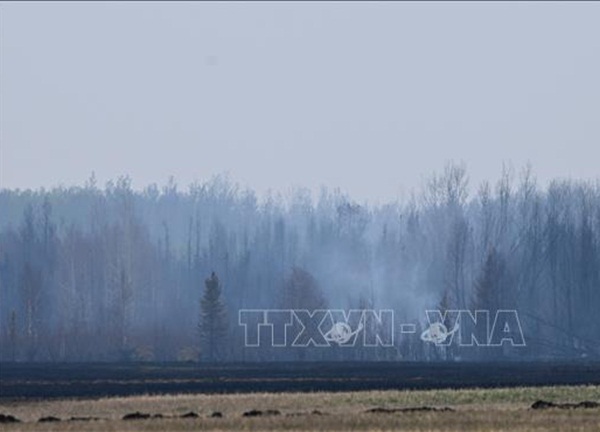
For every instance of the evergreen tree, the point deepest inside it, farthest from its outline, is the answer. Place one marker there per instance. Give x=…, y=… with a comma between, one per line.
x=213, y=320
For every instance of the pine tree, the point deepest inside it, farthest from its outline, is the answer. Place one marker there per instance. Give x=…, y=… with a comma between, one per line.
x=213, y=320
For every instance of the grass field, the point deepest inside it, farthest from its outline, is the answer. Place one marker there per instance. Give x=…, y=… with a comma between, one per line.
x=470, y=409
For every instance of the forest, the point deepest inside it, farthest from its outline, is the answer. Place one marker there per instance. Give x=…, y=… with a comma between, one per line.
x=113, y=273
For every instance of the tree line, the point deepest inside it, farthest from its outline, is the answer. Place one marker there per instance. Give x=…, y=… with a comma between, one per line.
x=116, y=274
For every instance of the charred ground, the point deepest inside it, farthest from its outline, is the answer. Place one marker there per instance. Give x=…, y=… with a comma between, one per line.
x=84, y=380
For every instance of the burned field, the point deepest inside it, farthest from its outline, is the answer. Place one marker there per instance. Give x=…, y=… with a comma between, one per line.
x=65, y=380
x=301, y=396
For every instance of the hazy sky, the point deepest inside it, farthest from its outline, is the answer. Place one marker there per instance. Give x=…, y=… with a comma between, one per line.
x=368, y=97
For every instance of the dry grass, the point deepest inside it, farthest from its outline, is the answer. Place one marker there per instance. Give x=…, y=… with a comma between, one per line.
x=476, y=410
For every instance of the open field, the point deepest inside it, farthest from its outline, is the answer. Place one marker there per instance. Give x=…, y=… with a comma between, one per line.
x=436, y=410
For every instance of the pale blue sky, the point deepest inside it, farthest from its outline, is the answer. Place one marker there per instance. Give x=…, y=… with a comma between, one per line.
x=368, y=97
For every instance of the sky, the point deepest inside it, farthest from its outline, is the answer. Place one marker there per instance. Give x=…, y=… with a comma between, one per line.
x=368, y=97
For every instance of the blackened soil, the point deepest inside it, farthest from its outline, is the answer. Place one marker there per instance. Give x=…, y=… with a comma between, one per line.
x=91, y=380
